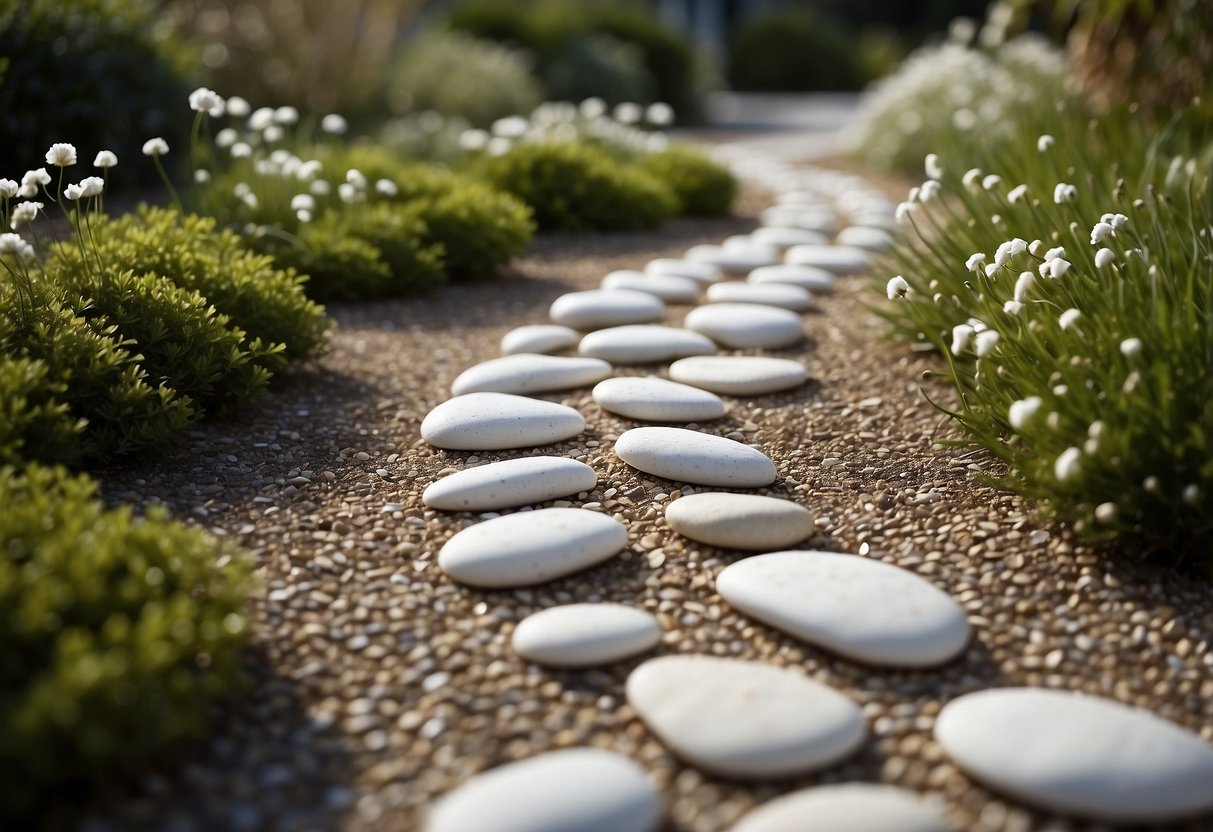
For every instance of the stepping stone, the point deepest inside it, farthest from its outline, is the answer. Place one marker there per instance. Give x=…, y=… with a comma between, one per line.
x=734, y=261
x=790, y=216
x=694, y=457
x=739, y=375
x=514, y=482
x=783, y=237
x=781, y=295
x=644, y=344
x=744, y=242
x=657, y=400
x=585, y=635
x=498, y=421
x=742, y=719
x=539, y=338
x=740, y=521
x=529, y=373
x=531, y=547
x=803, y=199
x=1078, y=754
x=668, y=287
x=583, y=789
x=859, y=608
x=806, y=277
x=836, y=259
x=605, y=307
x=847, y=807
x=700, y=272
x=871, y=239
x=746, y=325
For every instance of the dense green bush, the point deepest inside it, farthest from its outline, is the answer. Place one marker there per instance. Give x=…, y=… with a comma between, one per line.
x=598, y=65
x=117, y=635
x=668, y=57
x=703, y=187
x=793, y=49
x=575, y=186
x=34, y=421
x=89, y=68
x=477, y=227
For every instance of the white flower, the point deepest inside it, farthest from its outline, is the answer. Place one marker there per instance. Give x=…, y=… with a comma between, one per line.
x=261, y=118
x=991, y=268
x=105, y=159
x=61, y=155
x=1101, y=230
x=321, y=187
x=241, y=189
x=628, y=113
x=92, y=186
x=238, y=107
x=1012, y=307
x=1056, y=251
x=226, y=137
x=241, y=150
x=991, y=182
x=155, y=147
x=273, y=133
x=1104, y=257
x=11, y=243
x=1022, y=411
x=897, y=288
x=347, y=192
x=308, y=169
x=972, y=179
x=659, y=114
x=1023, y=284
x=592, y=108
x=473, y=139
x=1058, y=267
x=1115, y=220
x=1034, y=246
x=1191, y=494
x=203, y=100
x=962, y=334
x=510, y=127
x=1060, y=390
x=286, y=115
x=24, y=212
x=202, y=176
x=356, y=178
x=1068, y=464
x=1131, y=347
x=1044, y=142
x=985, y=341
x=73, y=192
x=8, y=188
x=303, y=202
x=303, y=216
x=928, y=190
x=912, y=196
x=1010, y=249
x=386, y=187
x=1017, y=193
x=1064, y=192
x=933, y=168
x=1105, y=513
x=335, y=124
x=1067, y=319
x=903, y=211
x=975, y=261
x=499, y=146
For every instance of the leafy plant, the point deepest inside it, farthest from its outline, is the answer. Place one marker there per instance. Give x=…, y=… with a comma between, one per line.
x=34, y=421
x=794, y=49
x=703, y=187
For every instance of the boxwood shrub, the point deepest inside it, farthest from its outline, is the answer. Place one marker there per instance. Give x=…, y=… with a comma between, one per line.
x=703, y=188
x=35, y=423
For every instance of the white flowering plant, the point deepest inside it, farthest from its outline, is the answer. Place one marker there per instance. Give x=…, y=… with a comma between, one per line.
x=1072, y=300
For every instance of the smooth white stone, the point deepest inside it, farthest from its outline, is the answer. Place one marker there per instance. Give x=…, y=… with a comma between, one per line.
x=781, y=295
x=871, y=239
x=744, y=719
x=497, y=421
x=583, y=789
x=700, y=272
x=602, y=307
x=657, y=400
x=513, y=482
x=584, y=635
x=644, y=344
x=694, y=457
x=529, y=373
x=1079, y=754
x=744, y=242
x=860, y=608
x=670, y=288
x=733, y=261
x=846, y=807
x=531, y=547
x=803, y=199
x=806, y=277
x=539, y=338
x=783, y=237
x=746, y=325
x=740, y=521
x=739, y=375
x=836, y=259
x=820, y=220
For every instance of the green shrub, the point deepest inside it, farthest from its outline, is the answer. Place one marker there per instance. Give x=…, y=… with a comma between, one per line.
x=478, y=228
x=117, y=634
x=34, y=421
x=792, y=50
x=574, y=186
x=90, y=70
x=668, y=57
x=598, y=65
x=541, y=27
x=703, y=187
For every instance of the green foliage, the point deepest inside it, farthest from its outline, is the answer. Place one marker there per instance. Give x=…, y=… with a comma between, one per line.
x=793, y=49
x=667, y=56
x=461, y=76
x=94, y=71
x=703, y=187
x=34, y=421
x=478, y=228
x=598, y=65
x=117, y=634
x=574, y=186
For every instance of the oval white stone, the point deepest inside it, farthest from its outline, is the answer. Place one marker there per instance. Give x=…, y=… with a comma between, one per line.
x=821, y=220
x=602, y=307
x=657, y=400
x=694, y=457
x=735, y=261
x=744, y=242
x=512, y=482
x=836, y=259
x=529, y=373
x=539, y=338
x=497, y=421
x=872, y=239
x=584, y=635
x=806, y=277
x=644, y=344
x=701, y=272
x=859, y=608
x=740, y=521
x=846, y=807
x=746, y=325
x=587, y=789
x=1079, y=754
x=781, y=295
x=531, y=547
x=739, y=375
x=744, y=719
x=670, y=288
x=803, y=199
x=784, y=237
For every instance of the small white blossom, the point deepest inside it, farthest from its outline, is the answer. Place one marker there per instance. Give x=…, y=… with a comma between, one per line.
x=250, y=199
x=347, y=192
x=303, y=216
x=1010, y=249
x=286, y=115
x=335, y=124
x=1104, y=257
x=202, y=176
x=991, y=182
x=1044, y=142
x=991, y=269
x=105, y=159
x=356, y=178
x=975, y=261
x=273, y=133
x=321, y=187
x=303, y=202
x=628, y=112
x=226, y=137
x=1023, y=284
x=592, y=108
x=8, y=188
x=155, y=147
x=92, y=186
x=1101, y=230
x=903, y=211
x=510, y=127
x=473, y=140
x=24, y=212
x=261, y=118
x=933, y=168
x=61, y=155
x=1058, y=267
x=1064, y=192
x=1017, y=193
x=1034, y=246
x=1012, y=307
x=386, y=187
x=985, y=342
x=1068, y=464
x=897, y=288
x=1131, y=347
x=928, y=190
x=1060, y=389
x=1067, y=319
x=1106, y=513
x=912, y=196
x=10, y=243
x=499, y=146
x=241, y=150
x=1114, y=220
x=972, y=179
x=1022, y=411
x=203, y=100
x=1191, y=494
x=962, y=334
x=309, y=169
x=238, y=107
x=659, y=114
x=241, y=189
x=73, y=192
x=1056, y=251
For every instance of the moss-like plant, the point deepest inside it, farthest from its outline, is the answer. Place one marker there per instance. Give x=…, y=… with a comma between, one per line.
x=35, y=423
x=703, y=187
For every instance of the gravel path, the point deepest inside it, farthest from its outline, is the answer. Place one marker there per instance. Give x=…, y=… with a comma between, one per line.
x=379, y=684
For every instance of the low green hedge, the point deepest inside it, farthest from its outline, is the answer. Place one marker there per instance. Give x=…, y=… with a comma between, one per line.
x=703, y=188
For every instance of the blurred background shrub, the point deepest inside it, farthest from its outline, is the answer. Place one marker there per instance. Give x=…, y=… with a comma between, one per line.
x=794, y=49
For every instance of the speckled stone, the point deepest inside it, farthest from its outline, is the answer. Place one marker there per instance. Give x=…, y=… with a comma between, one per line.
x=739, y=375
x=846, y=807
x=511, y=482
x=530, y=373
x=781, y=295
x=497, y=421
x=657, y=400
x=694, y=457
x=669, y=287
x=644, y=344
x=539, y=338
x=740, y=521
x=605, y=307
x=585, y=635
x=746, y=325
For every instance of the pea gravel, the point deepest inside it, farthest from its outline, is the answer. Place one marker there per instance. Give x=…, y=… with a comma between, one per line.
x=378, y=684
